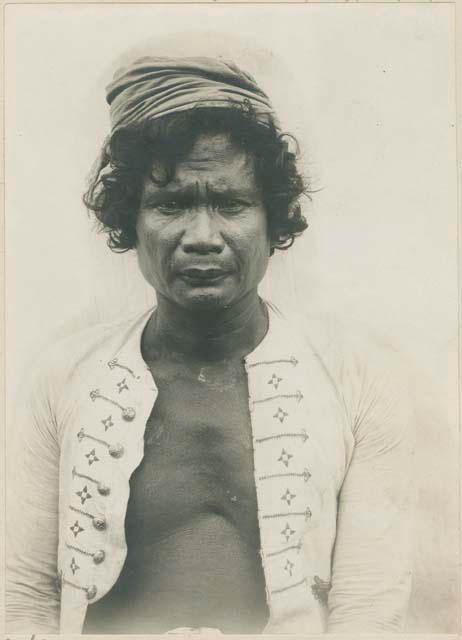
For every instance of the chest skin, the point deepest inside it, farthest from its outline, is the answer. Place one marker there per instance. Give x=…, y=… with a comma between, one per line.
x=191, y=525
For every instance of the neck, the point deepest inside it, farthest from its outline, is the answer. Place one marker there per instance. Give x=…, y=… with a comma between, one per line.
x=210, y=336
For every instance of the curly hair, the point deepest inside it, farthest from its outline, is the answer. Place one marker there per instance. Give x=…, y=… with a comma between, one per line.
x=116, y=184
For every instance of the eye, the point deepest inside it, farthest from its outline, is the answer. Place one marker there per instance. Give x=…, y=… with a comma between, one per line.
x=229, y=205
x=170, y=207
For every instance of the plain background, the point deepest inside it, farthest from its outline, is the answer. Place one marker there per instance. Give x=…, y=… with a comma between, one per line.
x=369, y=92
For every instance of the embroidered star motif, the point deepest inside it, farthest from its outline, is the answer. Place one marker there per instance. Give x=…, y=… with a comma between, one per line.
x=275, y=380
x=280, y=415
x=289, y=567
x=285, y=457
x=74, y=566
x=287, y=532
x=92, y=457
x=107, y=422
x=84, y=495
x=76, y=529
x=288, y=497
x=122, y=385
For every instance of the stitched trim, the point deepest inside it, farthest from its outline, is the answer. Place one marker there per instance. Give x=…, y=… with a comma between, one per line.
x=292, y=360
x=115, y=363
x=96, y=394
x=103, y=489
x=290, y=586
x=81, y=435
x=303, y=435
x=297, y=546
x=90, y=591
x=307, y=514
x=115, y=450
x=84, y=513
x=306, y=475
x=79, y=550
x=72, y=584
x=75, y=473
x=128, y=413
x=298, y=395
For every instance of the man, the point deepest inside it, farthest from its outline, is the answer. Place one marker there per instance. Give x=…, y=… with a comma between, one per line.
x=210, y=464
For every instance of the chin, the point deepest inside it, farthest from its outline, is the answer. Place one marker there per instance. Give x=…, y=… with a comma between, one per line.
x=205, y=301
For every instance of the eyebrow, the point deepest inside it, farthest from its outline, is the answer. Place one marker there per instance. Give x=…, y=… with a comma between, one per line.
x=189, y=194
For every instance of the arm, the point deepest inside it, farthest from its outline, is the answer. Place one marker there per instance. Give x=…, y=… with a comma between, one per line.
x=371, y=574
x=32, y=598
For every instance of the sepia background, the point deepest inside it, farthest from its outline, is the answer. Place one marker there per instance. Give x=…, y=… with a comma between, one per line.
x=368, y=90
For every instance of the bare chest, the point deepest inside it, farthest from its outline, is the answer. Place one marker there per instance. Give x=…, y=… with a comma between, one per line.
x=198, y=456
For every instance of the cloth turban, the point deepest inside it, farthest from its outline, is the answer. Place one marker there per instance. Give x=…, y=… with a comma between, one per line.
x=153, y=87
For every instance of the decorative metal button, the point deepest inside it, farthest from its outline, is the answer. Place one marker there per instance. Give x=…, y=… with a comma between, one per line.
x=91, y=592
x=103, y=489
x=99, y=556
x=99, y=523
x=116, y=450
x=128, y=414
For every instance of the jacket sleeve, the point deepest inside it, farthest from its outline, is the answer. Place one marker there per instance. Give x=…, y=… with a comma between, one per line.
x=32, y=595
x=372, y=560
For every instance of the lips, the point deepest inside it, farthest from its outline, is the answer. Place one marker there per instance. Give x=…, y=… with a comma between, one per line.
x=203, y=275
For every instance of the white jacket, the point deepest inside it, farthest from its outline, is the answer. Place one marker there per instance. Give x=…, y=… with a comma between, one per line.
x=332, y=457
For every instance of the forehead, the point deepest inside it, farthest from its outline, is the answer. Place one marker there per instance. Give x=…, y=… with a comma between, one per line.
x=215, y=159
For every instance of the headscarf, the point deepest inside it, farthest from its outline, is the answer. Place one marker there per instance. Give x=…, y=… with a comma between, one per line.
x=152, y=87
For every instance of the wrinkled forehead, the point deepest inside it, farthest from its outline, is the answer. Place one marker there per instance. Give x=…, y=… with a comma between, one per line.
x=213, y=160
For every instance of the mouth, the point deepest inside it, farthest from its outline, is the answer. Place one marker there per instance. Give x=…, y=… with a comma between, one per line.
x=204, y=276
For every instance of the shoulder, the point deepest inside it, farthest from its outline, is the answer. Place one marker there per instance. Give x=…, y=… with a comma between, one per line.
x=338, y=342
x=368, y=371
x=73, y=355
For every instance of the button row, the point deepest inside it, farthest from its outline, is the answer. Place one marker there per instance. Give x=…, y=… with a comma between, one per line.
x=116, y=451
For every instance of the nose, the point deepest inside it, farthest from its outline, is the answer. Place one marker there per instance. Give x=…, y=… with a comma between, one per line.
x=202, y=234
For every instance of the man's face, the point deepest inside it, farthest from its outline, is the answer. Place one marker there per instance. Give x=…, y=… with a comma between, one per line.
x=203, y=239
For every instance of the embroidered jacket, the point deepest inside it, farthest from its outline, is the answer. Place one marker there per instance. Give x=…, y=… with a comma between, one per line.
x=332, y=458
